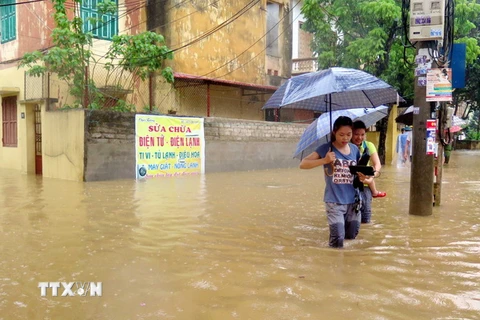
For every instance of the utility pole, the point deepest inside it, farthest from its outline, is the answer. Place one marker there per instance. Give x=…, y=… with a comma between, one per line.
x=427, y=26
x=421, y=179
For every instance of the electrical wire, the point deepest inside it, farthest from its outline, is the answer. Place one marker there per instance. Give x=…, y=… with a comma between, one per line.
x=405, y=24
x=171, y=22
x=124, y=14
x=125, y=4
x=281, y=33
x=19, y=3
x=144, y=3
x=242, y=65
x=233, y=18
x=225, y=23
x=448, y=36
x=246, y=50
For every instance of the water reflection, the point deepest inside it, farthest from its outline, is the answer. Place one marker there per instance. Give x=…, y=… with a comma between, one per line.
x=243, y=245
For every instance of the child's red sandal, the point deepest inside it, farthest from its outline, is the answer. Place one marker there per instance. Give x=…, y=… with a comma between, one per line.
x=380, y=194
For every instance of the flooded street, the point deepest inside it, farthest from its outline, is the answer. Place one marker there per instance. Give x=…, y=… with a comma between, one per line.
x=243, y=245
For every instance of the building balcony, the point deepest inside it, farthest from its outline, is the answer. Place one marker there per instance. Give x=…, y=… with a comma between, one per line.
x=304, y=65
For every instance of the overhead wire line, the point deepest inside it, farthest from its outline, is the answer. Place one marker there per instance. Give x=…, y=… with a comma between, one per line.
x=210, y=32
x=101, y=24
x=222, y=25
x=72, y=5
x=225, y=23
x=448, y=37
x=251, y=59
x=262, y=37
x=215, y=29
x=281, y=33
x=159, y=26
x=144, y=4
x=152, y=29
x=19, y=3
x=405, y=24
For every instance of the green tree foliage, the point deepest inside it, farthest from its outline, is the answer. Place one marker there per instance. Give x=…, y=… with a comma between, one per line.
x=467, y=30
x=142, y=54
x=361, y=34
x=366, y=35
x=467, y=13
x=71, y=55
x=472, y=131
x=371, y=34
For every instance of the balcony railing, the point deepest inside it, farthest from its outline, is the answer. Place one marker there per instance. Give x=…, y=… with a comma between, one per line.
x=304, y=65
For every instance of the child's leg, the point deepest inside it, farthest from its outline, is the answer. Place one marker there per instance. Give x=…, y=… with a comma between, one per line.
x=367, y=206
x=336, y=222
x=373, y=188
x=375, y=192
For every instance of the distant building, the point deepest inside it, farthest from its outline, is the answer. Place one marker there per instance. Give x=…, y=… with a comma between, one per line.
x=229, y=57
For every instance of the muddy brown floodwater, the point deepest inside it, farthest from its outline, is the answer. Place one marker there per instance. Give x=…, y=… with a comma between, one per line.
x=242, y=245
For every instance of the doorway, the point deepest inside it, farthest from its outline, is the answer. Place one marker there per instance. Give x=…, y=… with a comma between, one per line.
x=38, y=139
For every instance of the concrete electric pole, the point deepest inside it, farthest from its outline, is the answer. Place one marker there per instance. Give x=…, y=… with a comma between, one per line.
x=427, y=26
x=421, y=179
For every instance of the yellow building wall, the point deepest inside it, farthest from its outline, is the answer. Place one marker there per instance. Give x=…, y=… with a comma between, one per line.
x=240, y=106
x=26, y=137
x=222, y=49
x=374, y=137
x=193, y=101
x=392, y=134
x=11, y=84
x=391, y=140
x=63, y=139
x=9, y=158
x=233, y=52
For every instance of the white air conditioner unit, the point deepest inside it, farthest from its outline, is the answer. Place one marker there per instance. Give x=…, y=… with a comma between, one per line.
x=426, y=19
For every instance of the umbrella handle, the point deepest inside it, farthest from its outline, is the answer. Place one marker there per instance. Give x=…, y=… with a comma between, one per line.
x=331, y=164
x=326, y=170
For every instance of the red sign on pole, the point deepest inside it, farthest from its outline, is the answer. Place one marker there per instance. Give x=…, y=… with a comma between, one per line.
x=431, y=131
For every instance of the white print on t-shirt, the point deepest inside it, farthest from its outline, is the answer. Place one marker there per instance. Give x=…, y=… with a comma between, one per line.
x=341, y=172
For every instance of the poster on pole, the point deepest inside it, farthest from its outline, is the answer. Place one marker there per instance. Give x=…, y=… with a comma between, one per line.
x=430, y=136
x=169, y=146
x=439, y=84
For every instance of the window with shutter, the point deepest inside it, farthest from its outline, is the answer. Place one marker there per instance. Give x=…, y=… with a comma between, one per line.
x=9, y=121
x=8, y=20
x=105, y=26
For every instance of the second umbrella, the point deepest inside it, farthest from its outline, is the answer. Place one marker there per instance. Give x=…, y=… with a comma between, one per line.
x=317, y=133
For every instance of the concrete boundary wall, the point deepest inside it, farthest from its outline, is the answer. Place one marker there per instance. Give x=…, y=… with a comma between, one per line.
x=109, y=145
x=467, y=145
x=63, y=144
x=241, y=145
x=231, y=145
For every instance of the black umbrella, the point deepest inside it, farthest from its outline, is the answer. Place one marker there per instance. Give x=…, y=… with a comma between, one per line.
x=406, y=117
x=333, y=89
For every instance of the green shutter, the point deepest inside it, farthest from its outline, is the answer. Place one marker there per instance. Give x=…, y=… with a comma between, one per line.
x=8, y=21
x=107, y=28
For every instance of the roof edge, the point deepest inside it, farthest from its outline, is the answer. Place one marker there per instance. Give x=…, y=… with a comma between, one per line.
x=231, y=83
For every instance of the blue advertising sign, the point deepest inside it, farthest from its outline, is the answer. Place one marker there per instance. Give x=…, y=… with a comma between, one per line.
x=458, y=64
